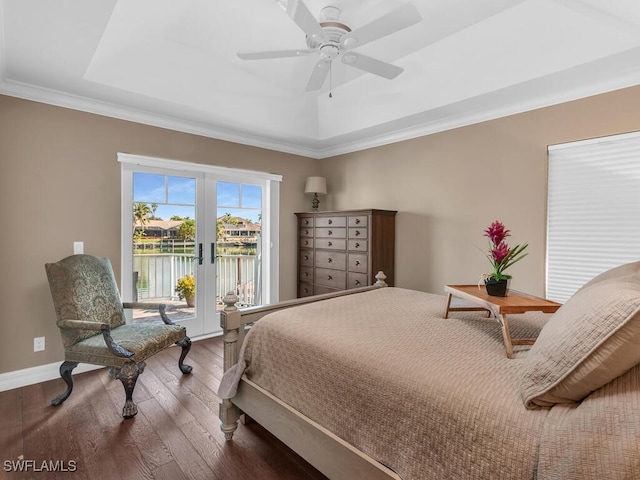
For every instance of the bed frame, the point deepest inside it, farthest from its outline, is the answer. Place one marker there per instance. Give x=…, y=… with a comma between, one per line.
x=334, y=457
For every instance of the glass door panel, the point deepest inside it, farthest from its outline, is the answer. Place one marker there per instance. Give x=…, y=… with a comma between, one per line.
x=239, y=242
x=165, y=247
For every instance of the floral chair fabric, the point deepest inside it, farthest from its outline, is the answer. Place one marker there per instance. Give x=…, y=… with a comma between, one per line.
x=92, y=324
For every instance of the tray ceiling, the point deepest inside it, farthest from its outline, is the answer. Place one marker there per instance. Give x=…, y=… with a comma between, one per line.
x=174, y=64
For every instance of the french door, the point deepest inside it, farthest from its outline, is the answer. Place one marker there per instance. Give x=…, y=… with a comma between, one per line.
x=191, y=234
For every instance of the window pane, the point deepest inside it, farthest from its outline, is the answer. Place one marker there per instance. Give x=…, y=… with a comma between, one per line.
x=228, y=194
x=251, y=196
x=148, y=187
x=182, y=190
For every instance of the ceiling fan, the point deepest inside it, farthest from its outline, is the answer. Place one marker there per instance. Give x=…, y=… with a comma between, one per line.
x=330, y=39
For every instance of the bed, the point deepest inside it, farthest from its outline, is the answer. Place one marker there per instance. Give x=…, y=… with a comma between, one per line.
x=375, y=383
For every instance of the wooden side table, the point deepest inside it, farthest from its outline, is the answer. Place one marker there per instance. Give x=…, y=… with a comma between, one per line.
x=500, y=307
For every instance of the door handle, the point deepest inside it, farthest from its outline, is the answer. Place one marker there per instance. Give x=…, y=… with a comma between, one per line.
x=199, y=258
x=213, y=252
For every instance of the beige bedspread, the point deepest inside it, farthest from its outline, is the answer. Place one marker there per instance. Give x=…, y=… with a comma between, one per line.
x=429, y=397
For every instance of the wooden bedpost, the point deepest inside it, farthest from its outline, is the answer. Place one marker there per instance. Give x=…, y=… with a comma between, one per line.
x=231, y=323
x=380, y=279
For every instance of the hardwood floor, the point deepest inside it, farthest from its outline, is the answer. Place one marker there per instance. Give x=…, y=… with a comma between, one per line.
x=175, y=435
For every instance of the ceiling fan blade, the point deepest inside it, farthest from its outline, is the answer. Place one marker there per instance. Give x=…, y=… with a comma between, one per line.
x=303, y=17
x=371, y=65
x=319, y=75
x=392, y=22
x=273, y=54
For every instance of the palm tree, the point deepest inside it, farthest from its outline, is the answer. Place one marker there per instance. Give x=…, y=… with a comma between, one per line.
x=141, y=214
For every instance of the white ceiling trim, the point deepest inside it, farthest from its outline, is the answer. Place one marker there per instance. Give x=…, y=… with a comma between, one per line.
x=74, y=102
x=61, y=99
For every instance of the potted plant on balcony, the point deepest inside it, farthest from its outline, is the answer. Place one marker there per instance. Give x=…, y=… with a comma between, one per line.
x=186, y=289
x=501, y=257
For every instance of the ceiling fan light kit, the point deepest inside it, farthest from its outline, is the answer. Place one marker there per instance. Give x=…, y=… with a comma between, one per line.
x=330, y=39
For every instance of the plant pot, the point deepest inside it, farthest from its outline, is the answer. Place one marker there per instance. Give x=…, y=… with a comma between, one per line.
x=191, y=301
x=497, y=288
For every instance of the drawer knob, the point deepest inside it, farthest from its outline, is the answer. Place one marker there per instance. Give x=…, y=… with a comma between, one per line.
x=306, y=290
x=357, y=233
x=330, y=221
x=306, y=242
x=330, y=243
x=306, y=274
x=357, y=262
x=306, y=257
x=330, y=277
x=357, y=245
x=357, y=221
x=357, y=282
x=330, y=232
x=306, y=232
x=330, y=260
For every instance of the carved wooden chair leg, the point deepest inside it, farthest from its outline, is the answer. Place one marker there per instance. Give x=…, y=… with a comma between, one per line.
x=185, y=343
x=65, y=372
x=128, y=375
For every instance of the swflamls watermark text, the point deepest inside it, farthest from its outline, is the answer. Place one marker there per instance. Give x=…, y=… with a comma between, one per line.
x=26, y=465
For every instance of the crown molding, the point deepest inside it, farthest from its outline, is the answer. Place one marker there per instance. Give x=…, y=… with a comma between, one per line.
x=75, y=102
x=468, y=113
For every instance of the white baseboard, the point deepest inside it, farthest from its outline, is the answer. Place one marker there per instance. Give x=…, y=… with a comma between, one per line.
x=41, y=373
x=51, y=371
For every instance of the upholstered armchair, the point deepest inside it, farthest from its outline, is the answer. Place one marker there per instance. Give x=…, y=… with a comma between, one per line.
x=92, y=325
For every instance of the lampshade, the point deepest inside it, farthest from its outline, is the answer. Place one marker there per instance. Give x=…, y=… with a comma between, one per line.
x=316, y=185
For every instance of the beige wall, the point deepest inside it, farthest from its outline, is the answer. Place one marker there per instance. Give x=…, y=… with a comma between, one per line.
x=60, y=183
x=448, y=187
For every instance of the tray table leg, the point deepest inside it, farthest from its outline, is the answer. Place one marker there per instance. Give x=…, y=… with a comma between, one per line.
x=506, y=336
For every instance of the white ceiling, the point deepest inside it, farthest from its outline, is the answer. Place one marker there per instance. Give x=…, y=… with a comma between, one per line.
x=173, y=64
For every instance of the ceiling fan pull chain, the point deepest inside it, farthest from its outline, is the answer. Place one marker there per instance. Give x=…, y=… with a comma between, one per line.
x=330, y=78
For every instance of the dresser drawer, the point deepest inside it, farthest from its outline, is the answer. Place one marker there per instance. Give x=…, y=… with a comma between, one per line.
x=306, y=221
x=330, y=232
x=331, y=222
x=358, y=262
x=306, y=242
x=358, y=245
x=357, y=232
x=306, y=232
x=357, y=280
x=306, y=258
x=318, y=290
x=306, y=274
x=331, y=278
x=359, y=221
x=305, y=290
x=334, y=260
x=331, y=243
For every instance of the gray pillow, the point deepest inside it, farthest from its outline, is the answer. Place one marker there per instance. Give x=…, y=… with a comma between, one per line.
x=589, y=341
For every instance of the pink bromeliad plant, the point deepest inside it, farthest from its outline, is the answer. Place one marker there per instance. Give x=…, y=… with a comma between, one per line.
x=500, y=255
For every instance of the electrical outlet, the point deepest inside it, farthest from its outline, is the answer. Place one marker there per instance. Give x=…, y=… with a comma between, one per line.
x=78, y=247
x=38, y=344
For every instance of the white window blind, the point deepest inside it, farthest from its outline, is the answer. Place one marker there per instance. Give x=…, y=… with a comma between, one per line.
x=593, y=210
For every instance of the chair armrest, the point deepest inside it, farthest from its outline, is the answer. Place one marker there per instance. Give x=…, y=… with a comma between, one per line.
x=81, y=325
x=141, y=305
x=113, y=347
x=149, y=306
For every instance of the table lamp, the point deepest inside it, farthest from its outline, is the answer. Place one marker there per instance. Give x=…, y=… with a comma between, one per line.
x=317, y=186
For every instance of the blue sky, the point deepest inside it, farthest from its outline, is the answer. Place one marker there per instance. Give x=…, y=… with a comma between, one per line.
x=177, y=196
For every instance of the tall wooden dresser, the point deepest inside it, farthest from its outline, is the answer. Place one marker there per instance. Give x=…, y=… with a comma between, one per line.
x=345, y=249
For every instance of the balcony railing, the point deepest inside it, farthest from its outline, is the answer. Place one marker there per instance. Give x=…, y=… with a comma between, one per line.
x=158, y=274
